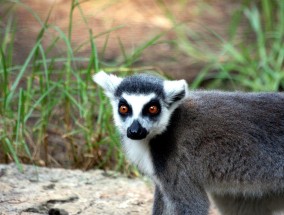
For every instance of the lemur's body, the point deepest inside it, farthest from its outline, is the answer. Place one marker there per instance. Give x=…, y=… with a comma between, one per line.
x=227, y=145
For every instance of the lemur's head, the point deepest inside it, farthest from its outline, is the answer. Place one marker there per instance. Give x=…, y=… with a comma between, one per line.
x=142, y=104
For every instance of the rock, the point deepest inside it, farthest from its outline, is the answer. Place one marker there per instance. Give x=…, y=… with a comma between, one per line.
x=40, y=190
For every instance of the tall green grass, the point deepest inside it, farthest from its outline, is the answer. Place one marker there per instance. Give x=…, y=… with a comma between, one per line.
x=254, y=62
x=47, y=98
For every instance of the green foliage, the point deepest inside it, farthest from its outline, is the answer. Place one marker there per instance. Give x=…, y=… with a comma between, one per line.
x=254, y=63
x=47, y=97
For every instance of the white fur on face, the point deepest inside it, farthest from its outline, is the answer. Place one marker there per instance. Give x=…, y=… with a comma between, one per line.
x=138, y=150
x=137, y=102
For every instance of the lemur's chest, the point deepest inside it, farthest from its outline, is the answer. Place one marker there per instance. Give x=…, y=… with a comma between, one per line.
x=138, y=152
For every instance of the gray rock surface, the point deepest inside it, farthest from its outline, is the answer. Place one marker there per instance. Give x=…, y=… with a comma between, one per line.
x=41, y=190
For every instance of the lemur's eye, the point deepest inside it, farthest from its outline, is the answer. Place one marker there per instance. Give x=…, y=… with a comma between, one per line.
x=153, y=109
x=123, y=109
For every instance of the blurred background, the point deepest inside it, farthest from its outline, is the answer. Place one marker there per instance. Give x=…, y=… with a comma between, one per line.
x=51, y=114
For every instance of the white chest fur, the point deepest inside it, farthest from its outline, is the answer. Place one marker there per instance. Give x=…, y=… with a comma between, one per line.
x=138, y=152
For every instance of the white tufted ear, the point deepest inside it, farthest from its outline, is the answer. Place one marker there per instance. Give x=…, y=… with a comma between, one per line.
x=108, y=82
x=175, y=91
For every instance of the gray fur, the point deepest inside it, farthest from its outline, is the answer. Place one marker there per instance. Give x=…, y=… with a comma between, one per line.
x=229, y=146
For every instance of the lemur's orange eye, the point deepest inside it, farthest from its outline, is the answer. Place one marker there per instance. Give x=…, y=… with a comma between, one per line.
x=153, y=109
x=123, y=109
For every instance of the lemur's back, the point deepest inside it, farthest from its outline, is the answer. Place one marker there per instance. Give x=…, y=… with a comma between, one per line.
x=255, y=117
x=231, y=137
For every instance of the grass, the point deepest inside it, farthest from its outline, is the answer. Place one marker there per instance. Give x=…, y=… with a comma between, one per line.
x=40, y=100
x=253, y=63
x=46, y=107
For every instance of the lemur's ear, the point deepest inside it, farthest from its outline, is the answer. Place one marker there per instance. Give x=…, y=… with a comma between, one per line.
x=108, y=82
x=175, y=91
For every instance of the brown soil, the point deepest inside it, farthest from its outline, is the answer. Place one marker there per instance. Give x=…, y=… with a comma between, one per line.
x=137, y=21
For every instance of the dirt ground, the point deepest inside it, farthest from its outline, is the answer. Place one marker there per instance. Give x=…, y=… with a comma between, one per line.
x=45, y=191
x=54, y=191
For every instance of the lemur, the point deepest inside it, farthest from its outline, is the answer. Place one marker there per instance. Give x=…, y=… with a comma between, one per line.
x=201, y=145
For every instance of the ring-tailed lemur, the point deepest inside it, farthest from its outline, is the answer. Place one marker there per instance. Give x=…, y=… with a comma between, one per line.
x=228, y=146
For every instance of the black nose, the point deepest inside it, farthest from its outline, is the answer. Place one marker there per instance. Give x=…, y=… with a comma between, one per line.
x=136, y=131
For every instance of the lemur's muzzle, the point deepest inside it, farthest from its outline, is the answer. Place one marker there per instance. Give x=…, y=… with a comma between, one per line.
x=136, y=131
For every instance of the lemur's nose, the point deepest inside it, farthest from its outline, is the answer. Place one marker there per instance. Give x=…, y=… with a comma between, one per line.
x=136, y=131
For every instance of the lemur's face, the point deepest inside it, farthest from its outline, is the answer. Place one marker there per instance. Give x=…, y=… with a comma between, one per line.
x=140, y=115
x=142, y=104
